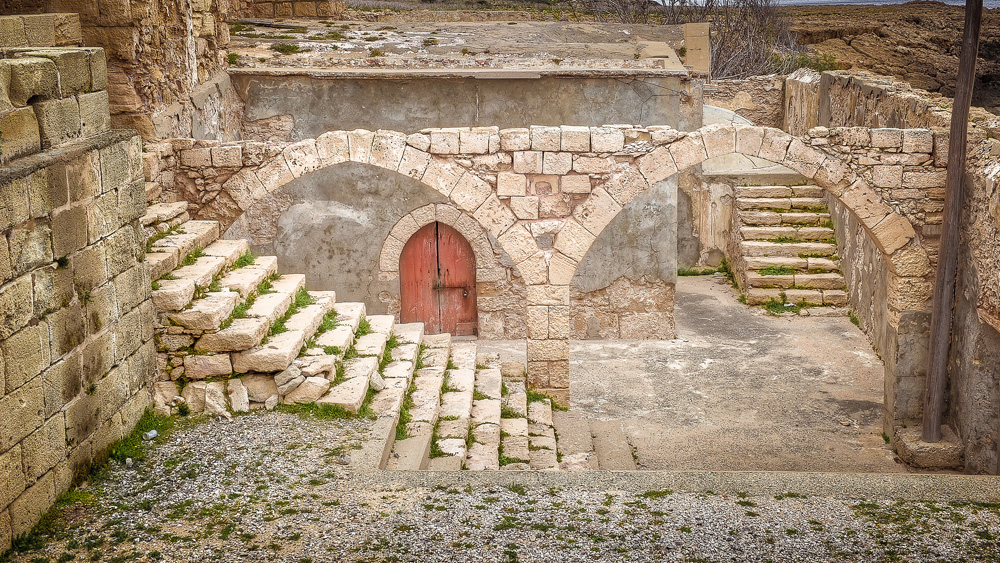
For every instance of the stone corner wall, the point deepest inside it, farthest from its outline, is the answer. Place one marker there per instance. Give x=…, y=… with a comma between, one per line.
x=333, y=9
x=76, y=350
x=160, y=56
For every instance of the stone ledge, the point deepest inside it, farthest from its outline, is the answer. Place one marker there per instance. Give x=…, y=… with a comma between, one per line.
x=946, y=454
x=30, y=164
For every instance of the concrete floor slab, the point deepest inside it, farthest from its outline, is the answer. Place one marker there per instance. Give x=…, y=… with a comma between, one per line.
x=737, y=390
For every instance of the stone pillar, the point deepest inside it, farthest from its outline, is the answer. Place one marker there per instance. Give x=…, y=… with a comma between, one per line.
x=548, y=340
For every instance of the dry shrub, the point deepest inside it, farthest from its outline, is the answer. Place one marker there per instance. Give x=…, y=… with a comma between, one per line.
x=749, y=37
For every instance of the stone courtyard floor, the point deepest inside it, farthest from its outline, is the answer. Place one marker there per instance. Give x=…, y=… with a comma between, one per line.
x=737, y=390
x=740, y=390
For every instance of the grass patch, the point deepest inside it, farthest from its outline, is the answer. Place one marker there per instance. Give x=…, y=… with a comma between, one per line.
x=133, y=446
x=854, y=318
x=534, y=396
x=776, y=271
x=404, y=411
x=245, y=259
x=364, y=328
x=286, y=48
x=156, y=237
x=191, y=257
x=727, y=270
x=785, y=239
x=653, y=495
x=508, y=412
x=696, y=271
x=301, y=299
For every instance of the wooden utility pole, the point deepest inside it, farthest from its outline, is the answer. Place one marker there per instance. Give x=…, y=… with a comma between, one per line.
x=954, y=199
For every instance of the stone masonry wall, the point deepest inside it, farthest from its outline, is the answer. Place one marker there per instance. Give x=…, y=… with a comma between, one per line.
x=332, y=9
x=494, y=177
x=865, y=100
x=76, y=349
x=166, y=62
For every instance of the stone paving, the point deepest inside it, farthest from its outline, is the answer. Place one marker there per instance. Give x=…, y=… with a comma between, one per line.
x=738, y=390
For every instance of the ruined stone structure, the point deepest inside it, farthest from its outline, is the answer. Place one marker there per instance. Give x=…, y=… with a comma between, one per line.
x=76, y=332
x=109, y=242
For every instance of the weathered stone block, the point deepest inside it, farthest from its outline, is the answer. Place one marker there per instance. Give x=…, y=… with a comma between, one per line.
x=30, y=246
x=592, y=164
x=33, y=502
x=548, y=350
x=887, y=176
x=574, y=240
x=545, y=138
x=66, y=330
x=557, y=163
x=470, y=192
x=21, y=413
x=12, y=481
x=45, y=447
x=494, y=216
x=12, y=35
x=524, y=207
x=547, y=295
x=40, y=29
x=575, y=138
x=887, y=138
x=657, y=165
x=475, y=141
x=515, y=139
x=15, y=305
x=32, y=77
x=688, y=151
x=511, y=184
x=61, y=382
x=918, y=141
x=19, y=134
x=414, y=162
x=73, y=67
x=444, y=141
x=774, y=145
x=204, y=366
x=606, y=139
x=102, y=216
x=920, y=178
x=597, y=211
x=528, y=162
x=719, y=139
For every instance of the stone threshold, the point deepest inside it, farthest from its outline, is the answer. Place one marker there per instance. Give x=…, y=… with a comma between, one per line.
x=846, y=486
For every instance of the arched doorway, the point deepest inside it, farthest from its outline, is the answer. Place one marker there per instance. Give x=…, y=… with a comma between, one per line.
x=437, y=281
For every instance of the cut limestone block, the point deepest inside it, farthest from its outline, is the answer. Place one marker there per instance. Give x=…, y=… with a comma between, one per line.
x=349, y=395
x=242, y=334
x=207, y=313
x=276, y=355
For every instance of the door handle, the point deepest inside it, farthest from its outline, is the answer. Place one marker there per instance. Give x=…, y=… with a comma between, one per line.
x=465, y=293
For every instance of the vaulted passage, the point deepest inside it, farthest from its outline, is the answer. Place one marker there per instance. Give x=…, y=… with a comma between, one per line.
x=438, y=281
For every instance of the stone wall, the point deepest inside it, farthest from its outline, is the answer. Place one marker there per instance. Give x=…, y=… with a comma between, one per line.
x=865, y=100
x=158, y=55
x=512, y=182
x=76, y=350
x=974, y=393
x=758, y=98
x=333, y=9
x=292, y=104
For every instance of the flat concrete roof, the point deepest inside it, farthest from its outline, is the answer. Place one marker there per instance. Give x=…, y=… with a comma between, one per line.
x=438, y=49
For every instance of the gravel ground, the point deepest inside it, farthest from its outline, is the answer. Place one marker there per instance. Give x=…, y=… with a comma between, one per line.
x=275, y=487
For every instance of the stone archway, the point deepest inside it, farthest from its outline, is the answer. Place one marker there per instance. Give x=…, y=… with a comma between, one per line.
x=484, y=173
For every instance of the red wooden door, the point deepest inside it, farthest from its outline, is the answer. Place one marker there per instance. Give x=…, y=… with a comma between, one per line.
x=437, y=281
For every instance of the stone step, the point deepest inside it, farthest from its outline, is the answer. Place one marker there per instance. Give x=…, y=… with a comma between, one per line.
x=372, y=344
x=767, y=233
x=575, y=439
x=427, y=396
x=438, y=349
x=744, y=192
x=246, y=279
x=804, y=218
x=173, y=295
x=340, y=337
x=817, y=297
x=160, y=264
x=202, y=271
x=196, y=234
x=611, y=445
x=308, y=318
x=811, y=203
x=488, y=382
x=349, y=395
x=763, y=203
x=275, y=355
x=360, y=367
x=411, y=454
x=242, y=334
x=350, y=315
x=463, y=354
x=515, y=442
x=389, y=400
x=273, y=305
x=832, y=280
x=760, y=262
x=399, y=369
x=163, y=212
x=808, y=191
x=793, y=249
x=517, y=398
x=410, y=333
x=206, y=314
x=483, y=455
x=229, y=249
x=381, y=324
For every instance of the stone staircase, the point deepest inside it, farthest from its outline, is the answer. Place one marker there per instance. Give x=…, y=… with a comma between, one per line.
x=784, y=250
x=233, y=335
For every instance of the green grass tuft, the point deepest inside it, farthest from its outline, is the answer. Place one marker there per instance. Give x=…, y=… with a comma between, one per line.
x=192, y=256
x=776, y=271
